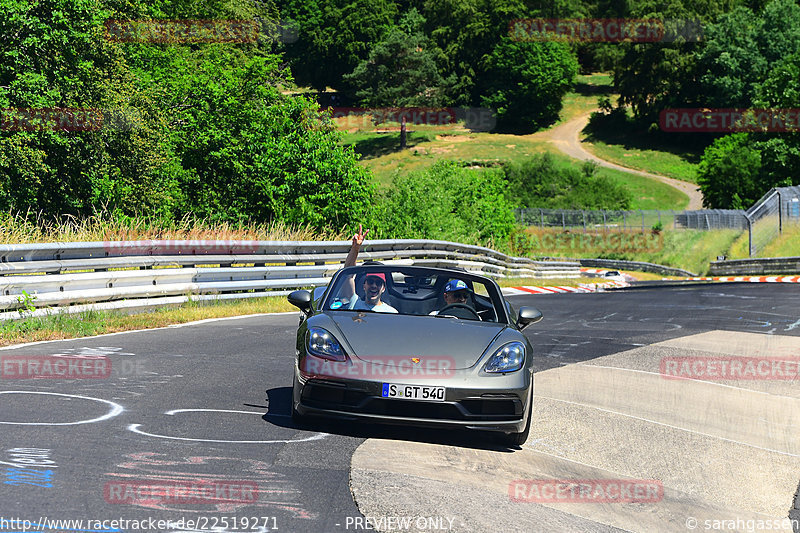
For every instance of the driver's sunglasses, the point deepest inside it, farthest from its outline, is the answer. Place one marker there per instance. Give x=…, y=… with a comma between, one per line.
x=372, y=280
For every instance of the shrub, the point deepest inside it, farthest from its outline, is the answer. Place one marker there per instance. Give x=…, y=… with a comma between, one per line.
x=448, y=202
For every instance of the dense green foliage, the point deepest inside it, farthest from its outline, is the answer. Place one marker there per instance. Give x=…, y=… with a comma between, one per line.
x=541, y=182
x=526, y=82
x=745, y=59
x=446, y=53
x=400, y=69
x=187, y=128
x=448, y=202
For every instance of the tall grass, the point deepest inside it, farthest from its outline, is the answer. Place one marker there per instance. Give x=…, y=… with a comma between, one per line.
x=19, y=228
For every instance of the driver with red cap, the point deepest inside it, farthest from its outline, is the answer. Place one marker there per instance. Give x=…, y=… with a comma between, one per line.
x=374, y=283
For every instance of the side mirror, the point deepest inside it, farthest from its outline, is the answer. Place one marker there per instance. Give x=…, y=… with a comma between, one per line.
x=301, y=299
x=528, y=316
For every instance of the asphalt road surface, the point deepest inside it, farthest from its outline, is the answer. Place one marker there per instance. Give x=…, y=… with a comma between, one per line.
x=206, y=406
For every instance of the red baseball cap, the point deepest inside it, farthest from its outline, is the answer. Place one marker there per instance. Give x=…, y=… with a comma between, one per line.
x=380, y=275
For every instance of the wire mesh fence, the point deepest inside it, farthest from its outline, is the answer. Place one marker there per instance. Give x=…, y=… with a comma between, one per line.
x=632, y=220
x=763, y=222
x=779, y=207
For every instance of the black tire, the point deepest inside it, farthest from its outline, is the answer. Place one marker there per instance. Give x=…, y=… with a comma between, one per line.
x=297, y=418
x=518, y=439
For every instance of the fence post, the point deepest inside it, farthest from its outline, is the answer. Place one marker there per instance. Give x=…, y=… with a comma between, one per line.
x=563, y=222
x=749, y=235
x=541, y=215
x=604, y=221
x=780, y=212
x=642, y=212
x=583, y=216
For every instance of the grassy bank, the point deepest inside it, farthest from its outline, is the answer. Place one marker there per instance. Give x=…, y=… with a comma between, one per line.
x=88, y=323
x=687, y=249
x=19, y=229
x=682, y=166
x=622, y=141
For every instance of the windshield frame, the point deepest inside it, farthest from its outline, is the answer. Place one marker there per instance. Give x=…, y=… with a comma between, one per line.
x=495, y=295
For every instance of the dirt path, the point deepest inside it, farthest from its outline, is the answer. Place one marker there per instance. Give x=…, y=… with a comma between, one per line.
x=567, y=138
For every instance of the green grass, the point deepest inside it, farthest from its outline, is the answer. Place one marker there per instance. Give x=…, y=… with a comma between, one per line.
x=479, y=150
x=648, y=193
x=691, y=250
x=682, y=166
x=87, y=323
x=589, y=88
x=19, y=228
x=786, y=245
x=631, y=146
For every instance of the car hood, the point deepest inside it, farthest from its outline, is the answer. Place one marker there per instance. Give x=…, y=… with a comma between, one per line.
x=392, y=339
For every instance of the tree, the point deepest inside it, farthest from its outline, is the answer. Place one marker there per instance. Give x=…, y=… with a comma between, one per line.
x=731, y=63
x=466, y=31
x=400, y=69
x=525, y=82
x=334, y=36
x=728, y=173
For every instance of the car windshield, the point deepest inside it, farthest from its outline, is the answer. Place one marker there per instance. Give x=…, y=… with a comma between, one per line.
x=437, y=293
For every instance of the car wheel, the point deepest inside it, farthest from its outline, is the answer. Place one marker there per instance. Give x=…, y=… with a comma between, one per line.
x=297, y=418
x=518, y=439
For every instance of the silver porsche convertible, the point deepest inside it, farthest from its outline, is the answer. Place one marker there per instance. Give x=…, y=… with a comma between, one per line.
x=414, y=345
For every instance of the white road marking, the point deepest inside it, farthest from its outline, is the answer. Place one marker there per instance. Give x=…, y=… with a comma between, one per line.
x=115, y=410
x=316, y=436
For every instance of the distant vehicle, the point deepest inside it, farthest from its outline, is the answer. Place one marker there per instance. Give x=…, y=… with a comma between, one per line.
x=613, y=275
x=466, y=366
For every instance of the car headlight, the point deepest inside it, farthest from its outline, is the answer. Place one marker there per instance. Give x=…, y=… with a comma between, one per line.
x=509, y=358
x=322, y=343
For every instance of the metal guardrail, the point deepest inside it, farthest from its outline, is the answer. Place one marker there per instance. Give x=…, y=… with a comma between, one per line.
x=119, y=273
x=635, y=265
x=744, y=267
